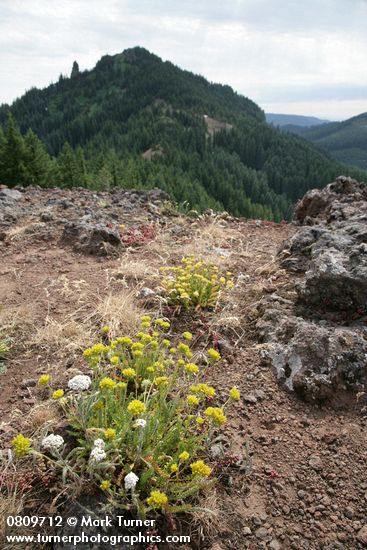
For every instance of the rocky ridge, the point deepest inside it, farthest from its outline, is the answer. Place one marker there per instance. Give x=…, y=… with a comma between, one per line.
x=317, y=342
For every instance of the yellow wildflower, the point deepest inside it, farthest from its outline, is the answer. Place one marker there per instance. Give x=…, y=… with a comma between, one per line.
x=161, y=381
x=107, y=383
x=137, y=353
x=124, y=340
x=105, y=485
x=216, y=414
x=235, y=394
x=114, y=360
x=214, y=354
x=105, y=329
x=187, y=335
x=110, y=434
x=203, y=388
x=200, y=420
x=199, y=468
x=184, y=456
x=192, y=400
x=137, y=346
x=174, y=468
x=136, y=407
x=44, y=379
x=57, y=394
x=21, y=445
x=129, y=373
x=121, y=385
x=192, y=368
x=157, y=499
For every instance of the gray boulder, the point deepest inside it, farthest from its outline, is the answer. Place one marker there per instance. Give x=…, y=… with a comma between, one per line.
x=92, y=238
x=318, y=345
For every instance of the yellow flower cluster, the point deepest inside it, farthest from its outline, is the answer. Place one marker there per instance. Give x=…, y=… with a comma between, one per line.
x=199, y=468
x=96, y=350
x=213, y=354
x=191, y=368
x=21, y=445
x=107, y=384
x=136, y=407
x=105, y=485
x=161, y=381
x=58, y=394
x=235, y=394
x=129, y=372
x=184, y=456
x=194, y=283
x=193, y=400
x=204, y=389
x=163, y=324
x=44, y=380
x=216, y=414
x=157, y=499
x=110, y=434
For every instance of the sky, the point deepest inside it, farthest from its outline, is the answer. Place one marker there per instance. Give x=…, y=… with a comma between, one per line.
x=289, y=56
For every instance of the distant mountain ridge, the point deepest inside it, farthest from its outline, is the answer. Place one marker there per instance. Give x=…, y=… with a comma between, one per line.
x=346, y=141
x=137, y=121
x=296, y=120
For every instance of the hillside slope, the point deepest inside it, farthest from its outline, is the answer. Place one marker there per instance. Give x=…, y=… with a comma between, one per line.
x=297, y=120
x=346, y=141
x=136, y=121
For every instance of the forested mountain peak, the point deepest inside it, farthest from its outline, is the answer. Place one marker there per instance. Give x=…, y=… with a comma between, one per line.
x=102, y=128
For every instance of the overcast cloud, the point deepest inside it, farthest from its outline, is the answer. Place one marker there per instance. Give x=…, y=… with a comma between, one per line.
x=287, y=55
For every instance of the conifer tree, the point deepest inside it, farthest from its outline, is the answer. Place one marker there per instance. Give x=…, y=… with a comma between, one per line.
x=67, y=167
x=13, y=158
x=37, y=161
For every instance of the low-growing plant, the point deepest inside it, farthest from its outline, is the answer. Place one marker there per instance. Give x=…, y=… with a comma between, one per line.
x=141, y=422
x=4, y=348
x=194, y=284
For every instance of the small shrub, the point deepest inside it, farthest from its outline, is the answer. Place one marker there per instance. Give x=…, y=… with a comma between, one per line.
x=195, y=283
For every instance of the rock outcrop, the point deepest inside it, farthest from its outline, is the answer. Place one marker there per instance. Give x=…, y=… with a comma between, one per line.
x=97, y=223
x=318, y=344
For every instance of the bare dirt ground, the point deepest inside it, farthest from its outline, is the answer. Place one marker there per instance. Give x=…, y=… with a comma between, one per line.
x=302, y=479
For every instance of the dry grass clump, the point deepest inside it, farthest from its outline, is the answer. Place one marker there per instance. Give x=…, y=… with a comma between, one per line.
x=11, y=504
x=119, y=311
x=16, y=320
x=135, y=270
x=43, y=415
x=68, y=335
x=215, y=232
x=208, y=519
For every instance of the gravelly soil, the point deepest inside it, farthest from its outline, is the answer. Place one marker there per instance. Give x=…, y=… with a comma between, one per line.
x=300, y=481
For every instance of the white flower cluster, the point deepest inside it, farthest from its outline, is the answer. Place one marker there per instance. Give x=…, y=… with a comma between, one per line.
x=130, y=481
x=140, y=423
x=52, y=442
x=80, y=382
x=98, y=453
